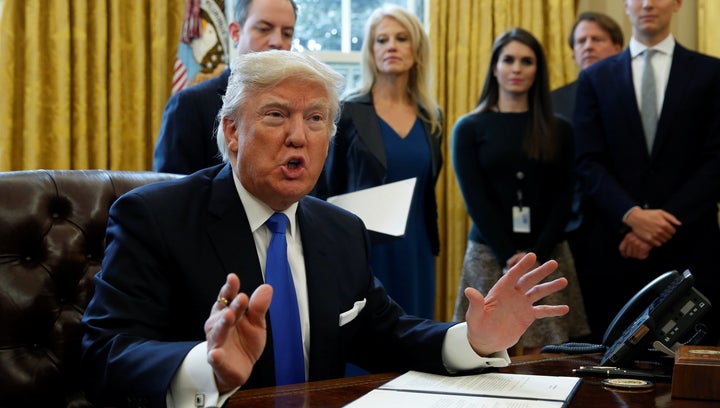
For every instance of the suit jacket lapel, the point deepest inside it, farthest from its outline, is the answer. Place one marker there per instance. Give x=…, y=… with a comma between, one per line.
x=233, y=241
x=680, y=75
x=230, y=232
x=323, y=303
x=368, y=128
x=627, y=100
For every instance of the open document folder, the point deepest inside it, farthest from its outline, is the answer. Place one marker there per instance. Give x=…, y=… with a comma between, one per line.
x=384, y=209
x=497, y=390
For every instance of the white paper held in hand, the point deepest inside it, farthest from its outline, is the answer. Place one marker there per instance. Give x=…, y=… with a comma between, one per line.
x=383, y=209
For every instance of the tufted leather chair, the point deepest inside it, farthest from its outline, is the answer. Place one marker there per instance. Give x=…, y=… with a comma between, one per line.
x=52, y=240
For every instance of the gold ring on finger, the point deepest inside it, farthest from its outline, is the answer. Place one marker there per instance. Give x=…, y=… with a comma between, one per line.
x=223, y=301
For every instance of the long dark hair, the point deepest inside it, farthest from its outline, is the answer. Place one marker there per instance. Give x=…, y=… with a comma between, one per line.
x=541, y=140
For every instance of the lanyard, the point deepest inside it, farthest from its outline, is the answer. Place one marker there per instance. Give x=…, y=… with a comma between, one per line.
x=520, y=183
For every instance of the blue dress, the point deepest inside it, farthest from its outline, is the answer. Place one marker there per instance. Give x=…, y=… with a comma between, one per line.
x=406, y=266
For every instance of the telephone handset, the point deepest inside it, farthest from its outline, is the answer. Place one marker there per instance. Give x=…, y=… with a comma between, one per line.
x=635, y=306
x=658, y=316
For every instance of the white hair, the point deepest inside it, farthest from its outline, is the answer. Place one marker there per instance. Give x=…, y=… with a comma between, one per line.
x=260, y=71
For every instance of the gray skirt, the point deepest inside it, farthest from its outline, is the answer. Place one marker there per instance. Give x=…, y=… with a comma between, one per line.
x=482, y=270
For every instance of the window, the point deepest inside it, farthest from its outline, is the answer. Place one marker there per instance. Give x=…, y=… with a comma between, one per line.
x=333, y=30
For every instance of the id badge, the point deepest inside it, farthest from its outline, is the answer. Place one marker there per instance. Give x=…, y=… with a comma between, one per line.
x=521, y=219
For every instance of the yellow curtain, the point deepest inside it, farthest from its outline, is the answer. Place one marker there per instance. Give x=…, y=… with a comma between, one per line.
x=84, y=82
x=708, y=29
x=462, y=33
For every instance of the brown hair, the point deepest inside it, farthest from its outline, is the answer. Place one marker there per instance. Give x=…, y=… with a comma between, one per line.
x=605, y=22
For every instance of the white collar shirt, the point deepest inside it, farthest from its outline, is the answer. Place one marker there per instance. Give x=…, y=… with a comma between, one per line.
x=661, y=61
x=257, y=213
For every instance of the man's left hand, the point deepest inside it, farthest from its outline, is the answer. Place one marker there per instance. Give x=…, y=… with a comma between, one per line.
x=495, y=322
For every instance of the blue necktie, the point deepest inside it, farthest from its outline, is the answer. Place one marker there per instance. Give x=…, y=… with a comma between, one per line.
x=284, y=315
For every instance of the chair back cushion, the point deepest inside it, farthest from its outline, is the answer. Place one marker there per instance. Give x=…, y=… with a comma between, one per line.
x=52, y=240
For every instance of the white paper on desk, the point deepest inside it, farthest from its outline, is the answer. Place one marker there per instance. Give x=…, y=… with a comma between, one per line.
x=496, y=389
x=383, y=208
x=381, y=398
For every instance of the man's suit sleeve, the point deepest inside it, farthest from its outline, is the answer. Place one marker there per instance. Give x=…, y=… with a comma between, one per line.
x=126, y=355
x=601, y=187
x=694, y=121
x=563, y=100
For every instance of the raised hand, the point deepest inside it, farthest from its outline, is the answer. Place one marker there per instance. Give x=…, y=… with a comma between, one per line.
x=513, y=260
x=236, y=333
x=495, y=322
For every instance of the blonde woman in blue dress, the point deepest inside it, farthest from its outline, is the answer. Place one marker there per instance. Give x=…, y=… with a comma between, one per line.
x=390, y=130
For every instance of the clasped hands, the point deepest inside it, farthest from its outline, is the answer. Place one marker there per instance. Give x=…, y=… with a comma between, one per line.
x=650, y=228
x=236, y=329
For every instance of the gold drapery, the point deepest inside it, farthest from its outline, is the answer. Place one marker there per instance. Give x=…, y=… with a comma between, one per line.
x=708, y=29
x=461, y=34
x=84, y=82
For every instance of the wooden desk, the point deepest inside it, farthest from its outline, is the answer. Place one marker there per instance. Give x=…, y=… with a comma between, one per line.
x=591, y=394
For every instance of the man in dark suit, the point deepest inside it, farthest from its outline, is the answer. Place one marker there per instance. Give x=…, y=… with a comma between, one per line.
x=186, y=142
x=179, y=251
x=594, y=37
x=654, y=193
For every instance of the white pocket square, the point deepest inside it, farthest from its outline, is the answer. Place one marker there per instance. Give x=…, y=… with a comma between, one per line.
x=347, y=317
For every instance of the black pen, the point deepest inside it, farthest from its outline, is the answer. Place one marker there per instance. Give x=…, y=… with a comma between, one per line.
x=620, y=372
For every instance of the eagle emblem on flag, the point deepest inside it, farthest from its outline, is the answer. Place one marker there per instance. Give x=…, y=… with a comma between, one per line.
x=203, y=43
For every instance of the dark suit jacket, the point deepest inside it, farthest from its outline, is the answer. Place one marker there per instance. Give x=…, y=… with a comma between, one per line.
x=357, y=158
x=563, y=100
x=170, y=247
x=681, y=175
x=186, y=142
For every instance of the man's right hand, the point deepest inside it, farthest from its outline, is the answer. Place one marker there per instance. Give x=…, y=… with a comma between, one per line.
x=655, y=227
x=236, y=333
x=634, y=247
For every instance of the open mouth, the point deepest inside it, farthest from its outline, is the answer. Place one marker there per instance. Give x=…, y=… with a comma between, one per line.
x=293, y=164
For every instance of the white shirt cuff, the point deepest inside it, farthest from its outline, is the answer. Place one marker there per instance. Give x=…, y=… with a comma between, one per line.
x=194, y=382
x=624, y=218
x=458, y=355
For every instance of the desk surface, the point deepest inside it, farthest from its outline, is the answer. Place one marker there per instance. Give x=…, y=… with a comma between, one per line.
x=339, y=392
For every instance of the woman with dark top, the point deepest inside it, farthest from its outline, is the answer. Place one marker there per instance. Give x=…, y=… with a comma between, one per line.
x=390, y=130
x=514, y=164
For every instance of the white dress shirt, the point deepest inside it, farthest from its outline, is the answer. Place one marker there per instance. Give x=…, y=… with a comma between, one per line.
x=661, y=62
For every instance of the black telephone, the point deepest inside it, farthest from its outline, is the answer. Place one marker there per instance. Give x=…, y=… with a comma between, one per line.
x=658, y=317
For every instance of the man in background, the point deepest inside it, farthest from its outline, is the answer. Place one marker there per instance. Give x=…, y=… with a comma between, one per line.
x=594, y=36
x=186, y=142
x=648, y=155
